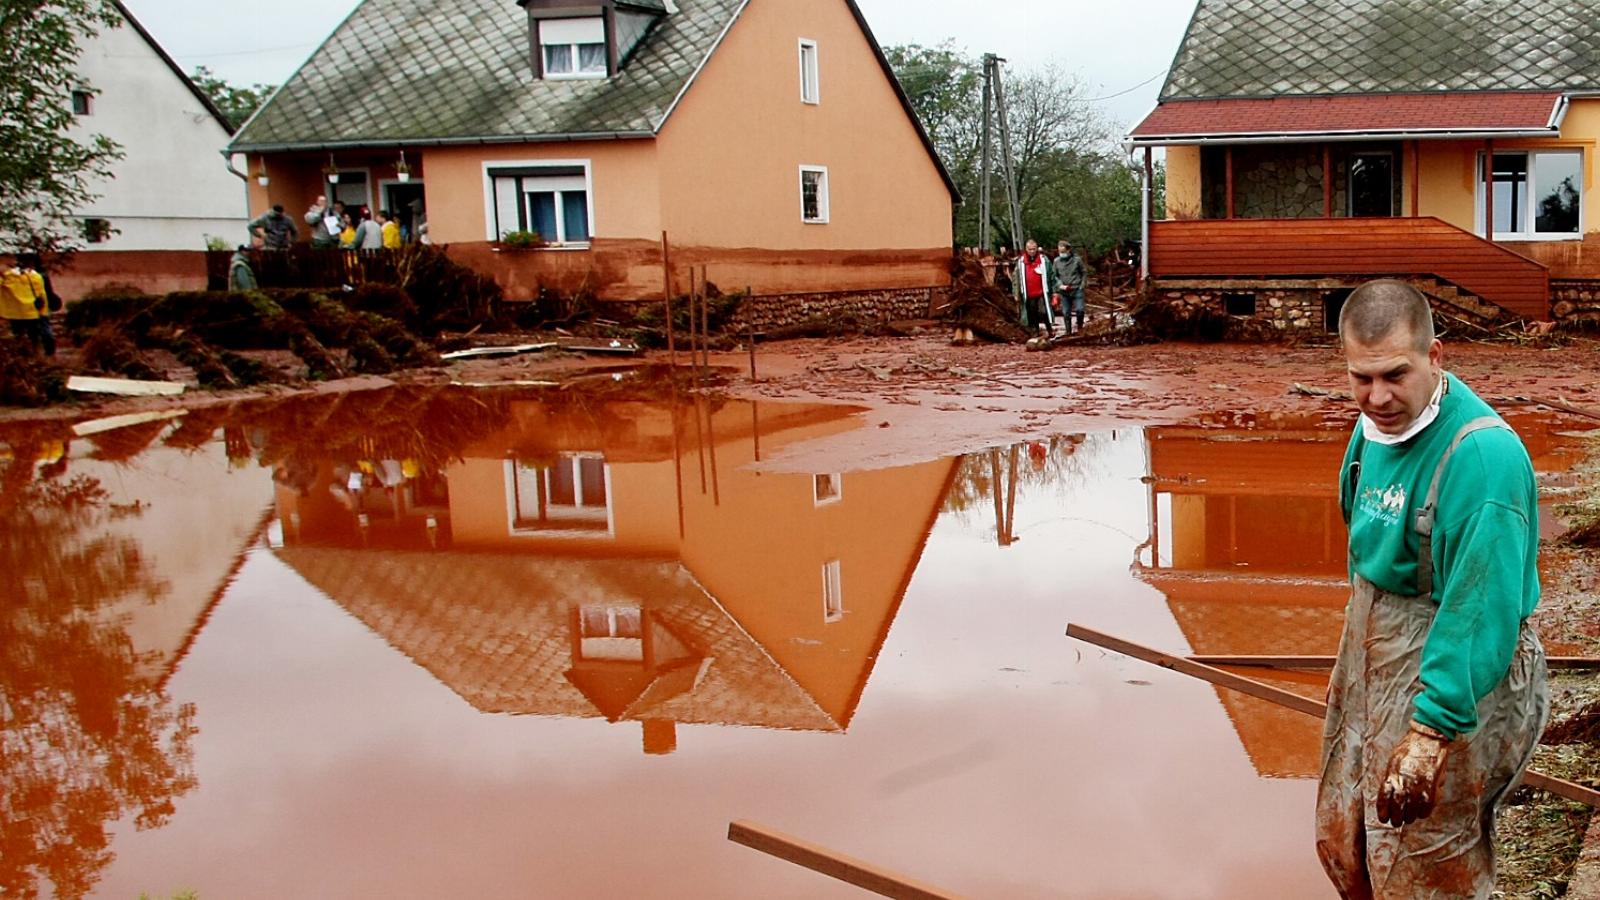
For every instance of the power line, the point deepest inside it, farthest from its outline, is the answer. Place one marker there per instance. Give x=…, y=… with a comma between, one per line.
x=1128, y=90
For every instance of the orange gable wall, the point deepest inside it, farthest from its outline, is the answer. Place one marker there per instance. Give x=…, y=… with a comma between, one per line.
x=731, y=151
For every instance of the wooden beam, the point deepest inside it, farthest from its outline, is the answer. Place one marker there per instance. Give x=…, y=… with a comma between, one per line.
x=127, y=387
x=1325, y=663
x=1416, y=178
x=1291, y=700
x=1227, y=165
x=834, y=865
x=1327, y=181
x=666, y=297
x=1488, y=189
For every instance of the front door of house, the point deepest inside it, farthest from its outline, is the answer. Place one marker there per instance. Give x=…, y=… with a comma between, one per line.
x=1371, y=187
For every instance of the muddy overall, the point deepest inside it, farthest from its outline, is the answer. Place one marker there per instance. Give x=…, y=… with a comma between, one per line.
x=1451, y=852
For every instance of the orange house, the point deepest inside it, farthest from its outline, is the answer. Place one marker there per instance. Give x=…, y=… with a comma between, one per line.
x=626, y=560
x=767, y=140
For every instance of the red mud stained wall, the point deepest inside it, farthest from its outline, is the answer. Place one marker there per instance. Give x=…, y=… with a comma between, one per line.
x=615, y=269
x=151, y=271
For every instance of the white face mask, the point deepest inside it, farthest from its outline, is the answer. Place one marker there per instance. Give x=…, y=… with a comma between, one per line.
x=1369, y=429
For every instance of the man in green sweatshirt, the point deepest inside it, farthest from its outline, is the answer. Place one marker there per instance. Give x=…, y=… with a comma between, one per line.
x=1439, y=696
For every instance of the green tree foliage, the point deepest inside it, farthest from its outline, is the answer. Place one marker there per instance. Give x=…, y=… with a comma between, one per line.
x=47, y=163
x=237, y=103
x=1073, y=181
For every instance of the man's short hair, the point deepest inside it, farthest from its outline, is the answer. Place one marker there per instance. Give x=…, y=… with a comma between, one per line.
x=1376, y=309
x=277, y=207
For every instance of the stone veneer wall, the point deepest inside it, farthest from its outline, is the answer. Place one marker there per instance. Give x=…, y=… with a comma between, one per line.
x=1288, y=309
x=1575, y=299
x=769, y=313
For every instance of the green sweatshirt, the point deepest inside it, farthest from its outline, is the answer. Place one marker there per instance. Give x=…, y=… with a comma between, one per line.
x=1485, y=548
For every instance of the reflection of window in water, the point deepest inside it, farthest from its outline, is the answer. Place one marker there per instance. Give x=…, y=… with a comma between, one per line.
x=570, y=493
x=611, y=633
x=827, y=488
x=832, y=592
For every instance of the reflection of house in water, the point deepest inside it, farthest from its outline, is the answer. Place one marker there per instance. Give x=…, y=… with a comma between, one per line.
x=617, y=559
x=1249, y=549
x=1250, y=553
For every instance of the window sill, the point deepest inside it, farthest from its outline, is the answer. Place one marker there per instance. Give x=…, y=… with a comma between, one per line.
x=575, y=245
x=813, y=221
x=1523, y=237
x=574, y=76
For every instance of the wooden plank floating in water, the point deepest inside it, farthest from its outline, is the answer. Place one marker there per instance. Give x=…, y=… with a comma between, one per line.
x=126, y=387
x=1532, y=778
x=110, y=423
x=834, y=865
x=623, y=348
x=1325, y=663
x=507, y=350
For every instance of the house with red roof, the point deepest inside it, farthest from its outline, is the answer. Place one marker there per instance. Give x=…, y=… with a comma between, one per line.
x=1314, y=144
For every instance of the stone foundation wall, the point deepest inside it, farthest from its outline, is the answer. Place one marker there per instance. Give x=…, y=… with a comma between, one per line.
x=1298, y=309
x=772, y=312
x=1575, y=298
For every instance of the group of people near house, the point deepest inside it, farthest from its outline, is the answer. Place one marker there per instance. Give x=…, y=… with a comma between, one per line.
x=1045, y=286
x=333, y=226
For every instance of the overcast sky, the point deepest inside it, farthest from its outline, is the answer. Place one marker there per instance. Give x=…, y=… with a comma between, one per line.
x=1119, y=49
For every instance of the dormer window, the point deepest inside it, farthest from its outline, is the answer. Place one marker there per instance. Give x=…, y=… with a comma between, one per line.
x=573, y=48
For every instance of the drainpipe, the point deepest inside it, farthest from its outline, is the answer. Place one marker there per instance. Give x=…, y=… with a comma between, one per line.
x=227, y=162
x=1145, y=209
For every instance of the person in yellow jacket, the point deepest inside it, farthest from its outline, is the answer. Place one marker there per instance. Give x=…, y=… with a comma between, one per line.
x=23, y=302
x=391, y=231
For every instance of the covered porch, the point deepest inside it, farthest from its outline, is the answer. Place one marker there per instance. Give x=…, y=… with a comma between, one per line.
x=1339, y=189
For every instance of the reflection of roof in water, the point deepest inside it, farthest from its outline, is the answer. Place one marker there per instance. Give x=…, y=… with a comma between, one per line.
x=1263, y=617
x=496, y=629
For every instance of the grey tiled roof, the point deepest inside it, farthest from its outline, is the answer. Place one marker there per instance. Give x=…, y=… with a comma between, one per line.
x=458, y=70
x=1254, y=48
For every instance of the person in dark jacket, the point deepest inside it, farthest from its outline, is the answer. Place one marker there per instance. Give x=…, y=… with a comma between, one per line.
x=277, y=230
x=1070, y=277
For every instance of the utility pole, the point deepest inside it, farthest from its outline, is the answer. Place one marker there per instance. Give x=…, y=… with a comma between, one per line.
x=994, y=98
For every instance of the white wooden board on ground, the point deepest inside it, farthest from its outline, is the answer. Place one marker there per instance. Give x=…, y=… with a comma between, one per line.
x=508, y=350
x=110, y=423
x=127, y=387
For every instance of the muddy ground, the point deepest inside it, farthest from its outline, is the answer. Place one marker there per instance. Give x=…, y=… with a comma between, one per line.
x=929, y=399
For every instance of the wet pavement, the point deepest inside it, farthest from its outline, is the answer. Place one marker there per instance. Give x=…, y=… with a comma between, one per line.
x=511, y=643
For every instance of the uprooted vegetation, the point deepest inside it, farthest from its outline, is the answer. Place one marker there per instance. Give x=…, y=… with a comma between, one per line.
x=205, y=329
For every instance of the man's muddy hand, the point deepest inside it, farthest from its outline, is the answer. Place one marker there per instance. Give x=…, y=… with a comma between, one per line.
x=1411, y=784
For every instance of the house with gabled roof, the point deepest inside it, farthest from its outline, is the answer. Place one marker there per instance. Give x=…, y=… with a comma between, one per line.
x=171, y=189
x=1313, y=144
x=765, y=139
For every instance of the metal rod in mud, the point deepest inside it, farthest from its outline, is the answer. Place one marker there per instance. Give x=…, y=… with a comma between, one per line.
x=711, y=441
x=1325, y=663
x=999, y=504
x=834, y=865
x=666, y=297
x=755, y=428
x=750, y=335
x=705, y=323
x=693, y=332
x=1011, y=498
x=677, y=453
x=1532, y=778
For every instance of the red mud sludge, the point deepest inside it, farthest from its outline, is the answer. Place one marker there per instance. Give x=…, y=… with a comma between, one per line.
x=510, y=643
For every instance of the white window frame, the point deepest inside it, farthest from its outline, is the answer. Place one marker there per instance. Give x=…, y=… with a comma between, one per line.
x=832, y=592
x=610, y=647
x=88, y=102
x=572, y=45
x=810, y=76
x=822, y=195
x=1529, y=213
x=489, y=211
x=329, y=189
x=515, y=529
x=836, y=479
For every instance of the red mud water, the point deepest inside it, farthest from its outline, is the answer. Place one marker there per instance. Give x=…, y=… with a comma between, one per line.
x=435, y=642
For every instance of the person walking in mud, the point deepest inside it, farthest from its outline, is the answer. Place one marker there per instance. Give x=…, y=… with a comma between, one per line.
x=1070, y=276
x=1439, y=693
x=1032, y=284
